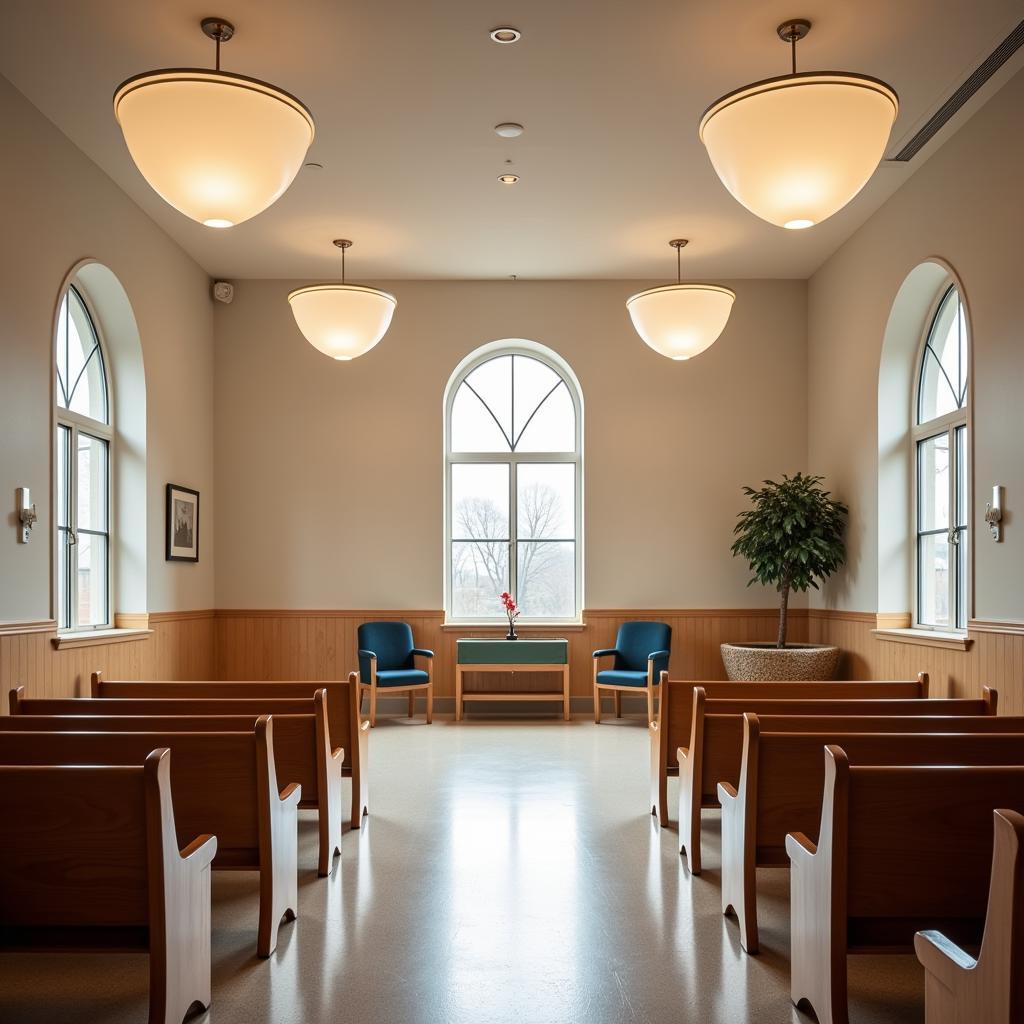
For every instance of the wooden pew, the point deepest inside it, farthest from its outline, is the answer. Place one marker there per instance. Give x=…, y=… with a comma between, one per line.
x=93, y=863
x=671, y=727
x=900, y=849
x=221, y=783
x=782, y=776
x=715, y=747
x=302, y=753
x=347, y=728
x=989, y=990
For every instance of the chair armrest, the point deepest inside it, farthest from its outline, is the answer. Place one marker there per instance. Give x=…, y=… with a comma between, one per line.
x=423, y=652
x=367, y=654
x=605, y=652
x=654, y=655
x=200, y=851
x=798, y=846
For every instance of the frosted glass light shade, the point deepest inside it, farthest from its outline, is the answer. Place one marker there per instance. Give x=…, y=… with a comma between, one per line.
x=681, y=320
x=797, y=149
x=219, y=148
x=342, y=320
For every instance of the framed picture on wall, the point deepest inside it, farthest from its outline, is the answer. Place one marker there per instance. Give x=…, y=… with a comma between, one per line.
x=182, y=524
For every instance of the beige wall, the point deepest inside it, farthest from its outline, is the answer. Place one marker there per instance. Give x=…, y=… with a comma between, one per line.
x=964, y=205
x=330, y=474
x=59, y=208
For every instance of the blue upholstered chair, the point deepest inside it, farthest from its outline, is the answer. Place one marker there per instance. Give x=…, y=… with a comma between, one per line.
x=641, y=654
x=387, y=661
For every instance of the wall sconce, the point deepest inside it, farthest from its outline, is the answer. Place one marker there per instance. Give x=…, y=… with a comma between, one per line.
x=27, y=516
x=994, y=513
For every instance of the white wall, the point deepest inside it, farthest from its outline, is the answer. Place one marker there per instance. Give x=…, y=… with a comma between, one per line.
x=59, y=208
x=964, y=205
x=330, y=474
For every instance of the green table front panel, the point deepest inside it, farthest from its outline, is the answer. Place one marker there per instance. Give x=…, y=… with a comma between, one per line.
x=513, y=652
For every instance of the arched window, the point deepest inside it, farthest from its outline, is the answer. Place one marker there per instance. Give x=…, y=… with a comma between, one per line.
x=941, y=449
x=83, y=491
x=514, y=486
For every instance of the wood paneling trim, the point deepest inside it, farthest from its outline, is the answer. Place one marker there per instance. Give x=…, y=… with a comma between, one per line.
x=838, y=614
x=1003, y=626
x=19, y=628
x=924, y=638
x=894, y=620
x=182, y=616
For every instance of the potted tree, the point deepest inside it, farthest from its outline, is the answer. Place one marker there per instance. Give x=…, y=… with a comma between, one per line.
x=792, y=536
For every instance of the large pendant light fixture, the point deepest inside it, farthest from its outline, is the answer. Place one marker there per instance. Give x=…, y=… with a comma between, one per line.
x=342, y=320
x=220, y=148
x=794, y=150
x=681, y=320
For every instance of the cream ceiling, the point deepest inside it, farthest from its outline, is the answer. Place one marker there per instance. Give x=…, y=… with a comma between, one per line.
x=405, y=94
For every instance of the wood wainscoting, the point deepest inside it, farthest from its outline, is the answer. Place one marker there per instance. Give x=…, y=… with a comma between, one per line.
x=994, y=656
x=180, y=645
x=280, y=644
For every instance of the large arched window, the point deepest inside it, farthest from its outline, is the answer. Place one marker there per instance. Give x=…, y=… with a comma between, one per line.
x=83, y=491
x=513, y=486
x=941, y=452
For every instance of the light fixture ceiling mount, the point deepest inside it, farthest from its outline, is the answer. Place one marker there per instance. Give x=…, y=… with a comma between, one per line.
x=342, y=320
x=506, y=34
x=681, y=320
x=218, y=147
x=796, y=149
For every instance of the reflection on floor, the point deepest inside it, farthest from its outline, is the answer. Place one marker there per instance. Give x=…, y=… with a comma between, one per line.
x=508, y=874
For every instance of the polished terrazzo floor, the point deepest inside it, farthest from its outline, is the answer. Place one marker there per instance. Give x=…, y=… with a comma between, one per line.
x=508, y=874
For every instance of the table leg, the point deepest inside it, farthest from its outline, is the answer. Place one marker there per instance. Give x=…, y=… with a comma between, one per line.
x=458, y=693
x=565, y=693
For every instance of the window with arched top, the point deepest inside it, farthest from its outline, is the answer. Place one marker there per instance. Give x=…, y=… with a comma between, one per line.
x=941, y=450
x=83, y=493
x=514, y=486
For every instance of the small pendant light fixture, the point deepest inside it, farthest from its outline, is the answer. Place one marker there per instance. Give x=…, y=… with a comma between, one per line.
x=342, y=320
x=796, y=149
x=218, y=147
x=681, y=320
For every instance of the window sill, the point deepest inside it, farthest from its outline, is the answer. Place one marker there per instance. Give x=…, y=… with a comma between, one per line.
x=925, y=638
x=99, y=637
x=540, y=627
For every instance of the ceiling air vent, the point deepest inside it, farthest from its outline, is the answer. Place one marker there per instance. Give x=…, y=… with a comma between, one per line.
x=981, y=74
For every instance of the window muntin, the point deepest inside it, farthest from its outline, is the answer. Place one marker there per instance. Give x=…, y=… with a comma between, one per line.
x=942, y=482
x=83, y=488
x=514, y=490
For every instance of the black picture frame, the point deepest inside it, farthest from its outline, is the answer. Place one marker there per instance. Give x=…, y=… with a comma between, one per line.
x=181, y=526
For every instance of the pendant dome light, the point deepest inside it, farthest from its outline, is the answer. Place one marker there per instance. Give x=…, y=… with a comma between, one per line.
x=796, y=149
x=681, y=320
x=218, y=147
x=342, y=320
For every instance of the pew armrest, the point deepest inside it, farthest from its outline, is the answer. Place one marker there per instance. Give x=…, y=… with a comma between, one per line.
x=338, y=755
x=799, y=847
x=682, y=753
x=200, y=852
x=941, y=957
x=291, y=794
x=726, y=792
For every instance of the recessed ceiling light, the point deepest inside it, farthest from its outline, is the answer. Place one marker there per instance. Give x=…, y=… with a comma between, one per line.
x=508, y=179
x=506, y=34
x=509, y=130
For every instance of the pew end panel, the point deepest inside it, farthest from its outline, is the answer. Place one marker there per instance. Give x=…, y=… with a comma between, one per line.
x=691, y=760
x=960, y=989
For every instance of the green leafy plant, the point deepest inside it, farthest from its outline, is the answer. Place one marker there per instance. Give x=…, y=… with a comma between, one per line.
x=792, y=537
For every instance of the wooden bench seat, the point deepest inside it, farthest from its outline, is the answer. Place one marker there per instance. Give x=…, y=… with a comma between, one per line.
x=715, y=747
x=347, y=728
x=672, y=725
x=782, y=777
x=90, y=860
x=223, y=784
x=960, y=989
x=900, y=849
x=302, y=753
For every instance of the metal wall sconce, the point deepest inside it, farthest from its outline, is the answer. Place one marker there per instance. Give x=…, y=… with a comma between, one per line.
x=994, y=513
x=27, y=517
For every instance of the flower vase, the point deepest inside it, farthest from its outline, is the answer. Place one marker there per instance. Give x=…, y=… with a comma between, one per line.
x=511, y=633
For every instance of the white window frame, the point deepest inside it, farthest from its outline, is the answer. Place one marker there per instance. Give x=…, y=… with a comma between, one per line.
x=65, y=591
x=513, y=460
x=947, y=424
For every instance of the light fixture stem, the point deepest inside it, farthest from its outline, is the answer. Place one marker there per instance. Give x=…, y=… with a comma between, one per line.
x=343, y=265
x=217, y=44
x=679, y=264
x=793, y=47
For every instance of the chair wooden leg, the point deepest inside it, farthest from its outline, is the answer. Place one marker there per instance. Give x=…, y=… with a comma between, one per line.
x=373, y=706
x=430, y=702
x=618, y=703
x=412, y=703
x=650, y=704
x=597, y=705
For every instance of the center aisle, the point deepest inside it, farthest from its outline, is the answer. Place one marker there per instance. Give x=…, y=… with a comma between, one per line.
x=507, y=874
